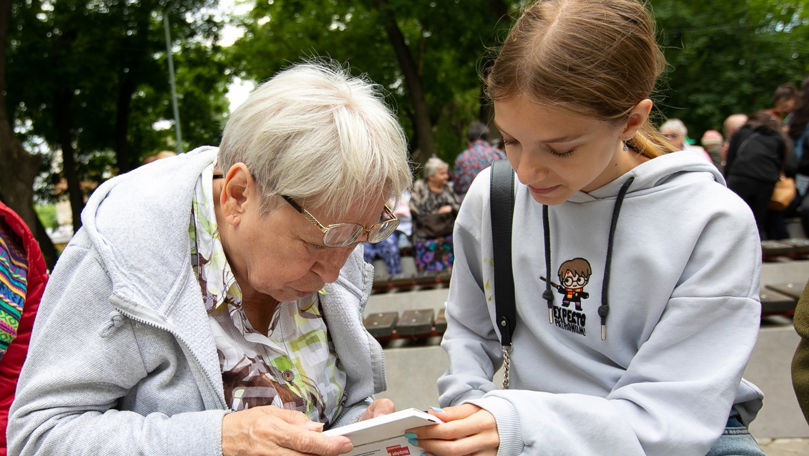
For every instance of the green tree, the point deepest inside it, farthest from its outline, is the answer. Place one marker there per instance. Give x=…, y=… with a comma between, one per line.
x=728, y=56
x=90, y=79
x=427, y=54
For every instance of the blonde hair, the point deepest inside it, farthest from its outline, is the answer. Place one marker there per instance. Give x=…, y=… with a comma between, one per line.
x=593, y=57
x=320, y=136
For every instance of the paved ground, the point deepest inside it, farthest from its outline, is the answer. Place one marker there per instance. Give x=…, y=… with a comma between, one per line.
x=784, y=447
x=780, y=427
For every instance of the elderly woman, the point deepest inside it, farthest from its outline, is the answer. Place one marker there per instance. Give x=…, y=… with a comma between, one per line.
x=212, y=302
x=433, y=206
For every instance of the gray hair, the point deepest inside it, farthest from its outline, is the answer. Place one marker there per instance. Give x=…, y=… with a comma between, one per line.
x=321, y=136
x=675, y=124
x=433, y=165
x=477, y=130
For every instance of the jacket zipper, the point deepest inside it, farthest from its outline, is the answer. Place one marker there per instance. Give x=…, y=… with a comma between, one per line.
x=153, y=324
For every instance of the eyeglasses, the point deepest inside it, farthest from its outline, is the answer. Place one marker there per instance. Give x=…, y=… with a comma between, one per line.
x=343, y=234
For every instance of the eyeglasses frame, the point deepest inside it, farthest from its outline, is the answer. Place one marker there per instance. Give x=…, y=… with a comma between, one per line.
x=325, y=229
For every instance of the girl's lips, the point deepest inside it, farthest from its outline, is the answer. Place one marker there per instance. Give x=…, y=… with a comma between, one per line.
x=542, y=191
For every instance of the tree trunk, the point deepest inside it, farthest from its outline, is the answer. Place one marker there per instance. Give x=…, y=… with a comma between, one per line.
x=62, y=101
x=18, y=168
x=421, y=115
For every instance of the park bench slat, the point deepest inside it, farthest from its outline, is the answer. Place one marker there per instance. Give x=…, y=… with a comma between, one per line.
x=381, y=324
x=791, y=289
x=415, y=322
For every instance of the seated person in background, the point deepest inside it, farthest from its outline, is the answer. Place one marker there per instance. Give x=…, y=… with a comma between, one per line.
x=756, y=158
x=211, y=304
x=388, y=249
x=676, y=133
x=405, y=229
x=23, y=275
x=477, y=156
x=433, y=205
x=784, y=100
x=732, y=123
x=712, y=143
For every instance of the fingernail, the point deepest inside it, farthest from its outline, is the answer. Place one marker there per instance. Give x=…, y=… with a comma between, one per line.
x=413, y=442
x=438, y=409
x=411, y=435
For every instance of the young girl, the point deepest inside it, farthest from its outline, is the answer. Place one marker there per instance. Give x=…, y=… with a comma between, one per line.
x=635, y=325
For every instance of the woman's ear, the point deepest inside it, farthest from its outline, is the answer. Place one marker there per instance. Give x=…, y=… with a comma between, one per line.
x=233, y=198
x=637, y=117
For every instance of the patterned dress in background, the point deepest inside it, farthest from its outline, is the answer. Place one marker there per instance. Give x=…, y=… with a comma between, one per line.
x=474, y=159
x=431, y=254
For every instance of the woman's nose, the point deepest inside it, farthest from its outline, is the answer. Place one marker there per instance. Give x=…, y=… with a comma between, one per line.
x=331, y=261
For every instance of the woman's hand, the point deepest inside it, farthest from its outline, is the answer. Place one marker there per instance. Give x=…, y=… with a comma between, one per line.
x=467, y=429
x=272, y=430
x=444, y=209
x=378, y=407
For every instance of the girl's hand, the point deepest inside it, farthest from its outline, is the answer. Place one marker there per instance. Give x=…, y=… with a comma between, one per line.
x=467, y=429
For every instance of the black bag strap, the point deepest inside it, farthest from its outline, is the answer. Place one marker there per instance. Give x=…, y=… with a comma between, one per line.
x=502, y=213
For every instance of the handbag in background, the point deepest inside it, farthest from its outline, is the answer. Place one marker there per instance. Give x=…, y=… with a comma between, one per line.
x=783, y=193
x=436, y=225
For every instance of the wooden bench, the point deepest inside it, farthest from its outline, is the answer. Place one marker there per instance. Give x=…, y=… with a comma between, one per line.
x=414, y=325
x=407, y=283
x=780, y=298
x=772, y=250
x=775, y=303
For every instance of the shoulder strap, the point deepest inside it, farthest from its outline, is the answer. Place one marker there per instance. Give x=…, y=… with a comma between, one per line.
x=502, y=212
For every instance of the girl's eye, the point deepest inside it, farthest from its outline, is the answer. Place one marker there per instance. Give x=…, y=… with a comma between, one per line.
x=509, y=142
x=556, y=153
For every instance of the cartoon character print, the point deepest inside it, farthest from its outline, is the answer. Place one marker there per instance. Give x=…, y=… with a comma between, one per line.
x=573, y=275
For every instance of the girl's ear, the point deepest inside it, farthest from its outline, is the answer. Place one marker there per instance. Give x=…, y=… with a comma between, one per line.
x=637, y=117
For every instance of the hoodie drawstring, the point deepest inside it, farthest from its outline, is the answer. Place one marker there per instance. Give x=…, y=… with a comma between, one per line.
x=548, y=294
x=604, y=308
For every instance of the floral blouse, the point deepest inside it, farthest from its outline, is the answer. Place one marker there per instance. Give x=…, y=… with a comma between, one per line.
x=294, y=366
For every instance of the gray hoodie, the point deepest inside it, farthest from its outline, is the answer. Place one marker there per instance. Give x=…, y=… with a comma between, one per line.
x=122, y=358
x=683, y=315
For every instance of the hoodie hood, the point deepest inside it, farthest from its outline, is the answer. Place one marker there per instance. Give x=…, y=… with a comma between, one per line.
x=655, y=173
x=160, y=212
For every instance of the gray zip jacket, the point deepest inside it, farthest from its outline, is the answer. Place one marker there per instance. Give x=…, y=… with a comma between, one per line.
x=122, y=358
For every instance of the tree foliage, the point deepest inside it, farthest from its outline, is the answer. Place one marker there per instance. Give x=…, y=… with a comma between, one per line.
x=88, y=78
x=728, y=56
x=447, y=41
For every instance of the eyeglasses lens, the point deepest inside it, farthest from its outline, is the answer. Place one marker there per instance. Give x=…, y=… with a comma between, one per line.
x=382, y=230
x=341, y=234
